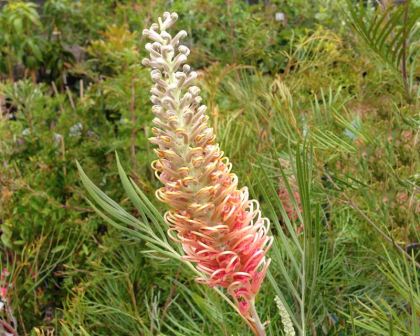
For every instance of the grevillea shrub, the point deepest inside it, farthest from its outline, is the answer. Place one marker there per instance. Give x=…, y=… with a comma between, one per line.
x=220, y=229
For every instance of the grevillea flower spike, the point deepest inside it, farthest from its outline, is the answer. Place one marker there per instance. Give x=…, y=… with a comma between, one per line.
x=220, y=229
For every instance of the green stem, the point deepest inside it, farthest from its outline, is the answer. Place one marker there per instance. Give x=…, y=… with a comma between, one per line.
x=259, y=327
x=404, y=51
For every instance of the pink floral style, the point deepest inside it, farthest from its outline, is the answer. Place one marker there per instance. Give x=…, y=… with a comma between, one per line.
x=221, y=230
x=287, y=202
x=3, y=293
x=4, y=284
x=8, y=323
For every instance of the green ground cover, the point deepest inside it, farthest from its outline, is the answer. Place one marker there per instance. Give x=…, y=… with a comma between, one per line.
x=319, y=114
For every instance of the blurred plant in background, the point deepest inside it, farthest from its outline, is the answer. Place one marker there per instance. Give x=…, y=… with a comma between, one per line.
x=346, y=250
x=391, y=32
x=20, y=47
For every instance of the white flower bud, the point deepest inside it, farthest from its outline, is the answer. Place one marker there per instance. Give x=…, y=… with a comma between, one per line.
x=156, y=74
x=174, y=16
x=194, y=90
x=179, y=59
x=182, y=34
x=184, y=50
x=155, y=100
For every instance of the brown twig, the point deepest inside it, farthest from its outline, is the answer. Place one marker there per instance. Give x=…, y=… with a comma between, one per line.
x=390, y=239
x=9, y=328
x=404, y=50
x=22, y=323
x=81, y=89
x=170, y=297
x=57, y=95
x=73, y=106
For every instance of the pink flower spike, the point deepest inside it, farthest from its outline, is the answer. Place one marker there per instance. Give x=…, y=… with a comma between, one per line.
x=220, y=229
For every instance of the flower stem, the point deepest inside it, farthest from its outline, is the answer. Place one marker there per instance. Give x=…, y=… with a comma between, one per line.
x=259, y=329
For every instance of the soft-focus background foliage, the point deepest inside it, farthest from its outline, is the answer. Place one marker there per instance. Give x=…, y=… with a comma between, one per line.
x=343, y=77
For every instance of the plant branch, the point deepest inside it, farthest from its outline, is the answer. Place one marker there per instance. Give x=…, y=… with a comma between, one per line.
x=258, y=327
x=404, y=49
x=9, y=328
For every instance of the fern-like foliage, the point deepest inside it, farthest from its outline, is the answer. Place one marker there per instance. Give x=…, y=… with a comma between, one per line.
x=379, y=316
x=305, y=266
x=388, y=31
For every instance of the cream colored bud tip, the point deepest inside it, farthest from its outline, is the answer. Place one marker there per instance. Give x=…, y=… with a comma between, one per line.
x=184, y=50
x=174, y=16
